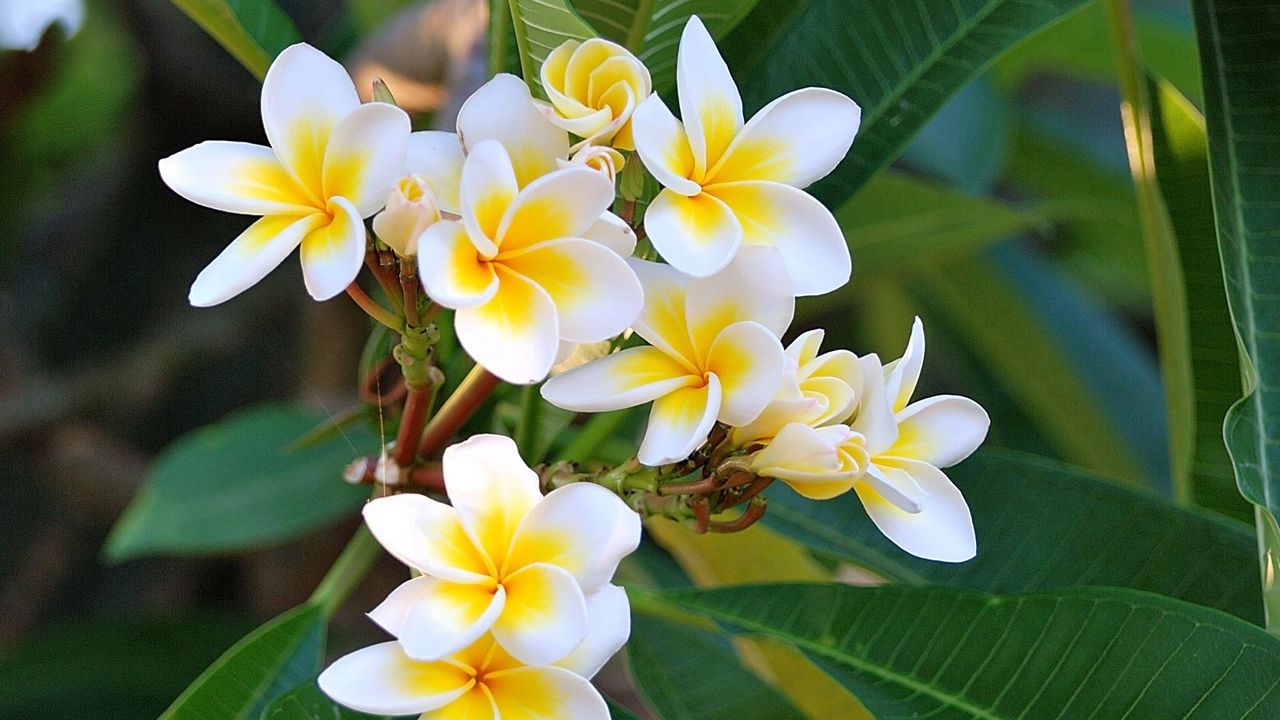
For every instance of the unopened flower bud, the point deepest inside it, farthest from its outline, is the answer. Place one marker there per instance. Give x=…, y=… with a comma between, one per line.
x=818, y=463
x=604, y=160
x=411, y=209
x=594, y=87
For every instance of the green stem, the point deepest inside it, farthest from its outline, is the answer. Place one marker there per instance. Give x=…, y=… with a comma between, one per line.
x=593, y=433
x=529, y=422
x=373, y=309
x=347, y=572
x=1164, y=265
x=499, y=24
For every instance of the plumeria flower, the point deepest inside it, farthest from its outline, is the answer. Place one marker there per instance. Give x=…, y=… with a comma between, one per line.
x=818, y=463
x=727, y=184
x=903, y=490
x=23, y=22
x=520, y=272
x=483, y=681
x=714, y=354
x=818, y=390
x=411, y=209
x=594, y=87
x=330, y=165
x=503, y=559
x=604, y=160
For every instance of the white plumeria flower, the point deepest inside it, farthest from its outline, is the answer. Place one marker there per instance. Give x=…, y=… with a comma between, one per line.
x=482, y=681
x=728, y=184
x=594, y=87
x=818, y=463
x=715, y=354
x=604, y=160
x=330, y=165
x=520, y=272
x=502, y=559
x=23, y=22
x=411, y=209
x=503, y=110
x=903, y=490
x=820, y=390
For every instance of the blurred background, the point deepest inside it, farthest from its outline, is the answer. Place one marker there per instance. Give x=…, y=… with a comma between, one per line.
x=1034, y=293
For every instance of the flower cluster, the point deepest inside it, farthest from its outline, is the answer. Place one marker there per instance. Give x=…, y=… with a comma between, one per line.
x=508, y=222
x=512, y=611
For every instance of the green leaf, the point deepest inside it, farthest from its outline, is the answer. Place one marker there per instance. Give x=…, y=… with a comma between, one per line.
x=940, y=652
x=898, y=220
x=540, y=27
x=618, y=712
x=1242, y=109
x=651, y=28
x=1182, y=170
x=308, y=702
x=253, y=31
x=110, y=667
x=689, y=673
x=240, y=484
x=264, y=665
x=1042, y=524
x=899, y=61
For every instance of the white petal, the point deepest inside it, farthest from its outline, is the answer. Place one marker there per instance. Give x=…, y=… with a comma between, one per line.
x=624, y=379
x=365, y=156
x=608, y=627
x=614, y=233
x=383, y=680
x=662, y=321
x=475, y=704
x=709, y=102
x=235, y=177
x=248, y=259
x=23, y=24
x=663, y=146
x=942, y=531
x=433, y=619
x=679, y=423
x=901, y=375
x=304, y=95
x=747, y=359
x=492, y=489
x=437, y=157
x=503, y=110
x=562, y=204
x=874, y=418
x=941, y=430
x=581, y=528
x=797, y=139
x=515, y=335
x=596, y=293
x=752, y=287
x=897, y=487
x=802, y=229
x=542, y=693
x=488, y=188
x=333, y=255
x=698, y=235
x=451, y=269
x=428, y=536
x=545, y=616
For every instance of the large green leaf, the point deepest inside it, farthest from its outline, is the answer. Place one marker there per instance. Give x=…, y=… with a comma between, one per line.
x=240, y=484
x=253, y=31
x=1042, y=524
x=899, y=61
x=690, y=673
x=651, y=28
x=1242, y=109
x=940, y=652
x=111, y=667
x=264, y=665
x=1182, y=170
x=308, y=702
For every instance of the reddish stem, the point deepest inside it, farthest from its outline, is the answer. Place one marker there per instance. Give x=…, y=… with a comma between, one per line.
x=457, y=410
x=416, y=406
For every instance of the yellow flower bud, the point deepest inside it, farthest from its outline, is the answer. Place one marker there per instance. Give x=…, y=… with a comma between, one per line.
x=817, y=463
x=411, y=209
x=594, y=86
x=604, y=160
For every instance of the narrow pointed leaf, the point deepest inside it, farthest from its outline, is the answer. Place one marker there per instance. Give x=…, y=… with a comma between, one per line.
x=253, y=31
